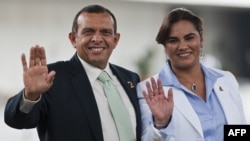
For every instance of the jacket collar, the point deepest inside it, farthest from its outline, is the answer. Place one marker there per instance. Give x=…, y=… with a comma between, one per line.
x=181, y=102
x=84, y=92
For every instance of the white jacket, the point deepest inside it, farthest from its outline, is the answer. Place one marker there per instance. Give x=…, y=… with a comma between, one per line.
x=184, y=119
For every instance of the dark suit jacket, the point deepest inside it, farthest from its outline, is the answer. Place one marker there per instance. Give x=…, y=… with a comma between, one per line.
x=68, y=110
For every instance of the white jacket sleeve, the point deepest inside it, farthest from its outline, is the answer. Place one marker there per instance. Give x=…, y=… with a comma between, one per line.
x=149, y=132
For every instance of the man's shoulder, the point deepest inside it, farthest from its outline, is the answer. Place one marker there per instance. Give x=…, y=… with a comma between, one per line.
x=122, y=69
x=59, y=65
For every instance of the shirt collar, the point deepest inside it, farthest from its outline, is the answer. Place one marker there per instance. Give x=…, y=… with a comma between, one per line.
x=93, y=72
x=168, y=77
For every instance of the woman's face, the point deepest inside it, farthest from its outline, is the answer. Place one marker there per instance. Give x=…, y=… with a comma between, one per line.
x=183, y=45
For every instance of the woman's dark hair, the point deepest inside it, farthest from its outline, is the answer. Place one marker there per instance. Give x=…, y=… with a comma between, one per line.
x=174, y=16
x=93, y=9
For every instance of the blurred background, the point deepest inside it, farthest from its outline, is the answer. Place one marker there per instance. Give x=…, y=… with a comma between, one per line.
x=48, y=22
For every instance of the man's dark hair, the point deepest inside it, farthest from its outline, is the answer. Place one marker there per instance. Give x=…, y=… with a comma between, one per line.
x=93, y=9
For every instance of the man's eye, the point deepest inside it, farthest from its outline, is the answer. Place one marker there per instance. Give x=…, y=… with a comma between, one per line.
x=107, y=33
x=86, y=32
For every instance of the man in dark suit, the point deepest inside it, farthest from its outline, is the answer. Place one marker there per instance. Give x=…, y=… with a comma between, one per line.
x=65, y=100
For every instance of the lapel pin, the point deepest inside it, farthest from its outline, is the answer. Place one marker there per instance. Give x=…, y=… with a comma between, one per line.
x=131, y=85
x=220, y=88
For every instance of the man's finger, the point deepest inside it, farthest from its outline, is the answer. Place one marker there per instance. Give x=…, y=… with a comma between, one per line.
x=37, y=55
x=24, y=62
x=43, y=57
x=32, y=57
x=51, y=76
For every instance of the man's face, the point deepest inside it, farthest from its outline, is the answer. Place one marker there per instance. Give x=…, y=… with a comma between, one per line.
x=95, y=39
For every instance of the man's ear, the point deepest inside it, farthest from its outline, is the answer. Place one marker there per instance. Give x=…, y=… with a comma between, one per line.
x=116, y=38
x=72, y=39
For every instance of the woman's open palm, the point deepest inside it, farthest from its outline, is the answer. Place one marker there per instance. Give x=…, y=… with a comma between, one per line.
x=160, y=105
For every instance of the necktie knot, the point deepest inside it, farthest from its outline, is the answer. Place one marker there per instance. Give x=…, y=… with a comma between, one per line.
x=103, y=77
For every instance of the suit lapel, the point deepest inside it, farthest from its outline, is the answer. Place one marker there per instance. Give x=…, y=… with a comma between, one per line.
x=226, y=101
x=183, y=106
x=181, y=103
x=127, y=84
x=85, y=95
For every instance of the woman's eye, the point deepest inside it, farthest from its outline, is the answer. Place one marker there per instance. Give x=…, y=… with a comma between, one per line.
x=189, y=37
x=171, y=40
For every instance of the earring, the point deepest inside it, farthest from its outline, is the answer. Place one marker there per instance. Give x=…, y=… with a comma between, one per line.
x=201, y=53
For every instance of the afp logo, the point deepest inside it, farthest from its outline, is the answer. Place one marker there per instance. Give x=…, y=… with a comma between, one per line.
x=236, y=132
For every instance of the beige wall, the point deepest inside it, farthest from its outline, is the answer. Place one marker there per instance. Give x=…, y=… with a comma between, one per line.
x=24, y=24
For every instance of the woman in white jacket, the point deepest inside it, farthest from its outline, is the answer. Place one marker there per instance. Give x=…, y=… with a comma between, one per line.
x=187, y=101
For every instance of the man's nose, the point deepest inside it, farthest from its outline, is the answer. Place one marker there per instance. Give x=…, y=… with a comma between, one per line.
x=97, y=37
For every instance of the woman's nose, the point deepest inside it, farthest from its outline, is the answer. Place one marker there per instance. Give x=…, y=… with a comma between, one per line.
x=182, y=45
